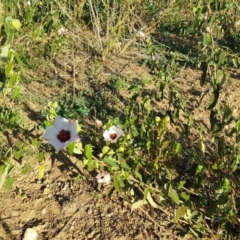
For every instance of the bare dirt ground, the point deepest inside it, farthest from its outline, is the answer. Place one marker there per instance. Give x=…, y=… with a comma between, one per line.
x=61, y=209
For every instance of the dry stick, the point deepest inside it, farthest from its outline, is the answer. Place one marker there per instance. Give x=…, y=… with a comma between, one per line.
x=73, y=216
x=164, y=230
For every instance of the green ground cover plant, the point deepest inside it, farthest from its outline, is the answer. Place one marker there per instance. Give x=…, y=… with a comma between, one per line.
x=159, y=158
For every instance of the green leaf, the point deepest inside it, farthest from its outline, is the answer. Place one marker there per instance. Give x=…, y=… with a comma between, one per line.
x=41, y=171
x=124, y=165
x=70, y=147
x=9, y=183
x=88, y=151
x=4, y=53
x=180, y=212
x=26, y=168
x=214, y=98
x=173, y=195
x=8, y=69
x=165, y=144
x=137, y=174
x=105, y=149
x=151, y=201
x=147, y=104
x=111, y=162
x=35, y=143
x=227, y=116
x=40, y=156
x=138, y=204
x=78, y=148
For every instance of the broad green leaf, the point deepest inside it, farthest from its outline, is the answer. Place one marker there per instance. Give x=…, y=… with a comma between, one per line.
x=70, y=147
x=40, y=156
x=173, y=195
x=78, y=148
x=91, y=166
x=138, y=204
x=151, y=201
x=88, y=151
x=111, y=162
x=9, y=183
x=105, y=149
x=35, y=143
x=4, y=53
x=180, y=212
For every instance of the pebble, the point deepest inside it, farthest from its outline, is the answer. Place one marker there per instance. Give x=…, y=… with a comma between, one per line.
x=30, y=234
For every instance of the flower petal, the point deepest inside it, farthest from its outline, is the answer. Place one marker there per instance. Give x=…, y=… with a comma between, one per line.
x=74, y=138
x=72, y=127
x=57, y=144
x=103, y=177
x=61, y=123
x=106, y=135
x=51, y=133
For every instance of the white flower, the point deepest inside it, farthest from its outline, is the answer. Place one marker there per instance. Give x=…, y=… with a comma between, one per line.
x=29, y=3
x=113, y=134
x=104, y=178
x=61, y=133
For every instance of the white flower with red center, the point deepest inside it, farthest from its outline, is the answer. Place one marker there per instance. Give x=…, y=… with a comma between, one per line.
x=62, y=133
x=113, y=134
x=103, y=177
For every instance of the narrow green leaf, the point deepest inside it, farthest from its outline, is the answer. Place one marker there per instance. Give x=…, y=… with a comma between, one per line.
x=173, y=195
x=214, y=98
x=151, y=201
x=165, y=144
x=138, y=204
x=41, y=171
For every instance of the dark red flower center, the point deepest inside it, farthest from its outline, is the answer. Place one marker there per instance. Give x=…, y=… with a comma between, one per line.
x=113, y=136
x=64, y=135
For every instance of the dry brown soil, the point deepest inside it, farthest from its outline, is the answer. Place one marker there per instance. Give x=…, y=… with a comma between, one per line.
x=61, y=210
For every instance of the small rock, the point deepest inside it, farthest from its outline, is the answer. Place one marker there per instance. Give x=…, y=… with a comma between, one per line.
x=89, y=211
x=43, y=211
x=30, y=234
